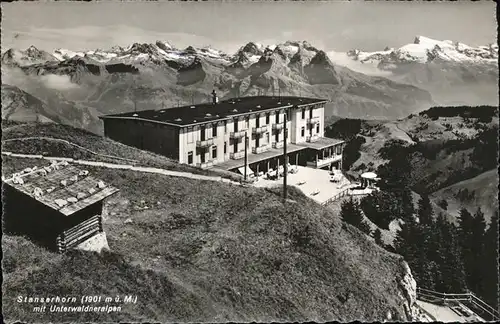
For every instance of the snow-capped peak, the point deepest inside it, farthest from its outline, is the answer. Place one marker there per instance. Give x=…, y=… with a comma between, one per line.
x=425, y=49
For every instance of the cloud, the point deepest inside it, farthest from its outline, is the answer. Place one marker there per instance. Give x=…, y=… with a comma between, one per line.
x=343, y=59
x=57, y=82
x=97, y=37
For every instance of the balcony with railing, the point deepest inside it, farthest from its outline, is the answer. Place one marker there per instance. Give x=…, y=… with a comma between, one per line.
x=319, y=163
x=259, y=130
x=205, y=165
x=205, y=143
x=260, y=149
x=277, y=145
x=278, y=127
x=313, y=121
x=237, y=155
x=312, y=138
x=238, y=134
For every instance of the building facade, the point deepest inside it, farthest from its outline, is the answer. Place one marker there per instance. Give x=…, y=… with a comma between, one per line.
x=216, y=134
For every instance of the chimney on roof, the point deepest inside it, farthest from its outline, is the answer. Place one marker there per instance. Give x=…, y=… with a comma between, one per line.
x=215, y=99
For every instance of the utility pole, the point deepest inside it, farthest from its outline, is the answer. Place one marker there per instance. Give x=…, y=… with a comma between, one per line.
x=246, y=158
x=286, y=160
x=135, y=105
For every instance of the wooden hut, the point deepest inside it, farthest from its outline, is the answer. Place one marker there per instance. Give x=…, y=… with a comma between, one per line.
x=57, y=206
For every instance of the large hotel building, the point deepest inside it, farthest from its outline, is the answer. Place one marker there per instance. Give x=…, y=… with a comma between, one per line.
x=214, y=134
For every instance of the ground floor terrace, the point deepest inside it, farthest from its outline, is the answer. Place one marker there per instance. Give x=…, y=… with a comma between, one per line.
x=324, y=153
x=260, y=164
x=320, y=185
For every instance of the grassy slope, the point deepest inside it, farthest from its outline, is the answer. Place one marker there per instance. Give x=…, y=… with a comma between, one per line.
x=485, y=188
x=417, y=127
x=212, y=252
x=88, y=140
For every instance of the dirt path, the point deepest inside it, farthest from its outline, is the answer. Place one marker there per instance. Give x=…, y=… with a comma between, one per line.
x=125, y=167
x=68, y=143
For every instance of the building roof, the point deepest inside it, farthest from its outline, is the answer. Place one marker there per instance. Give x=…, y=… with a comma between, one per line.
x=206, y=112
x=321, y=143
x=61, y=187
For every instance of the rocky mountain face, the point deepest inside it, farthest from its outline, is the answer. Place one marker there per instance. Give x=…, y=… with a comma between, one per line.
x=156, y=75
x=453, y=72
x=151, y=76
x=19, y=105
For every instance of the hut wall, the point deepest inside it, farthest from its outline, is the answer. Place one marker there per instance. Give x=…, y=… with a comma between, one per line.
x=24, y=215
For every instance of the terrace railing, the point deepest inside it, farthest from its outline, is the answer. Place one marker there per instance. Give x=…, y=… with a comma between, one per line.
x=260, y=149
x=238, y=134
x=237, y=155
x=339, y=195
x=259, y=130
x=205, y=143
x=278, y=145
x=469, y=297
x=312, y=138
x=313, y=121
x=205, y=165
x=278, y=127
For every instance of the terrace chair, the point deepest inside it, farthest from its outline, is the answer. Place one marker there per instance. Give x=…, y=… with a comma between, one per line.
x=315, y=192
x=300, y=183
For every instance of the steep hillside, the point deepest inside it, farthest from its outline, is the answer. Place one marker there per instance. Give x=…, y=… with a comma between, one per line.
x=444, y=145
x=45, y=103
x=480, y=191
x=151, y=76
x=65, y=141
x=18, y=105
x=197, y=251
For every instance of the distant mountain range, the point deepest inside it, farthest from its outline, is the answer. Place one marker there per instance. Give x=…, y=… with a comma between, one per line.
x=152, y=76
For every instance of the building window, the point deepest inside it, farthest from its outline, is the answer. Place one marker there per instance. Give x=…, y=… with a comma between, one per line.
x=267, y=118
x=267, y=138
x=190, y=157
x=302, y=131
x=225, y=147
x=190, y=134
x=339, y=149
x=277, y=117
x=214, y=152
x=214, y=130
x=225, y=127
x=247, y=122
x=317, y=128
x=303, y=113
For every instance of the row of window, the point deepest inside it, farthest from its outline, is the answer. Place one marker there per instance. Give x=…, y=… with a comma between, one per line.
x=247, y=125
x=214, y=132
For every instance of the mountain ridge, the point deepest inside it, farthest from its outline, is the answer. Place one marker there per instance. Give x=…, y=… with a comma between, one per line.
x=151, y=76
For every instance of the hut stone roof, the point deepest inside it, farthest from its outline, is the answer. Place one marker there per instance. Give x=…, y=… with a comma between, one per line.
x=61, y=187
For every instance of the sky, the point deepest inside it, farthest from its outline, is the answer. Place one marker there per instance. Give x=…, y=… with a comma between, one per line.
x=228, y=25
